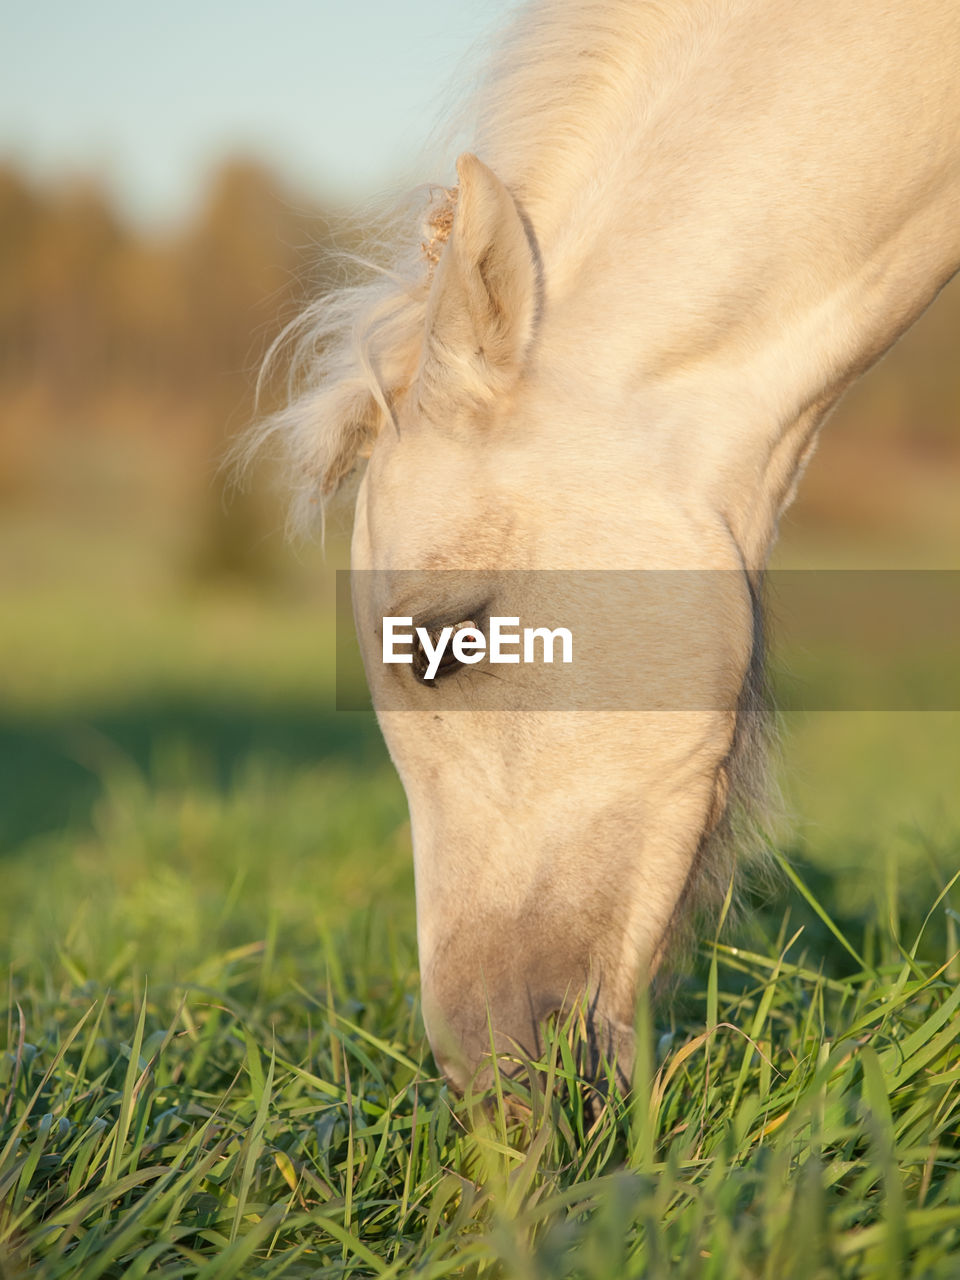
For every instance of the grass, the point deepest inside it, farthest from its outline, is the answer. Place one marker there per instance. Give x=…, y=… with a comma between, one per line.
x=268, y=1107
x=213, y=1063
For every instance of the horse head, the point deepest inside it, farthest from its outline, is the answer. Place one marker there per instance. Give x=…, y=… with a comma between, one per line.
x=555, y=842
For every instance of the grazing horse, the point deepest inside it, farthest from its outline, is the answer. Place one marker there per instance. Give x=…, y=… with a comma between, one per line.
x=682, y=229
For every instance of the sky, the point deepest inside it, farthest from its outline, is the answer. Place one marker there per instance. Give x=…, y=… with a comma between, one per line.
x=338, y=96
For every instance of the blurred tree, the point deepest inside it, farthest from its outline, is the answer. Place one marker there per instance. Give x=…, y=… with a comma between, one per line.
x=113, y=337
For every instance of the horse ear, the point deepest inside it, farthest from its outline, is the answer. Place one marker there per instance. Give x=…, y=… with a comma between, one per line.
x=484, y=298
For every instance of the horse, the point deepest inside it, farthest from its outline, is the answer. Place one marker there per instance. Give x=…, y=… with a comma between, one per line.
x=679, y=231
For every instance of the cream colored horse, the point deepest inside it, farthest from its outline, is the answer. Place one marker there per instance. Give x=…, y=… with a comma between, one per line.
x=693, y=225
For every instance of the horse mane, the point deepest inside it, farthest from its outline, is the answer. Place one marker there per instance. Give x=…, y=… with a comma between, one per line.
x=566, y=89
x=733, y=853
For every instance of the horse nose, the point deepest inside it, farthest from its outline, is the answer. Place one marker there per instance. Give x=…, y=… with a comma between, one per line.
x=469, y=1024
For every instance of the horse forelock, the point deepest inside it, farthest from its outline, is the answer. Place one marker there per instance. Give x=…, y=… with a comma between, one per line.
x=350, y=357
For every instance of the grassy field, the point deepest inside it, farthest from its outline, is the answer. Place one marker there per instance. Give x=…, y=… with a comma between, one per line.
x=213, y=1061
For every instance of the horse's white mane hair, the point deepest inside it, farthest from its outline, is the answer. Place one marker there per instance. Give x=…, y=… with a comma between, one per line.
x=565, y=91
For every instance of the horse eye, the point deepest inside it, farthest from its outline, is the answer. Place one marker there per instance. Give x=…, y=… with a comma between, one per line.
x=448, y=664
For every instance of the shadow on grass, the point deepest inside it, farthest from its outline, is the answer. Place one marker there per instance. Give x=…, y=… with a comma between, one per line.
x=51, y=770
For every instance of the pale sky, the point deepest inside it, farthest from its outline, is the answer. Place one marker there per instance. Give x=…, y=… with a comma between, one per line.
x=338, y=97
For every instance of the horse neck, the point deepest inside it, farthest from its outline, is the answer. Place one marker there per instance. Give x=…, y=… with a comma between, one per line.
x=788, y=209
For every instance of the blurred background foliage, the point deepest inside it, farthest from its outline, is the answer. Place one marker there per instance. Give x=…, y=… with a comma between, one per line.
x=127, y=359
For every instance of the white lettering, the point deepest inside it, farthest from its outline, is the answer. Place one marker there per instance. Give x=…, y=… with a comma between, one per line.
x=390, y=638
x=434, y=652
x=498, y=639
x=548, y=637
x=469, y=645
